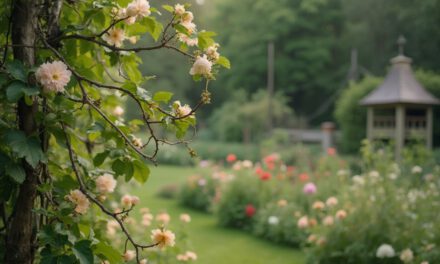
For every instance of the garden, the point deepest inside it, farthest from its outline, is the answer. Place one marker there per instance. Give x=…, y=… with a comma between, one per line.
x=221, y=131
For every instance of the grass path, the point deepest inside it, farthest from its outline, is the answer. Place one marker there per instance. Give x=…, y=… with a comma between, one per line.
x=213, y=244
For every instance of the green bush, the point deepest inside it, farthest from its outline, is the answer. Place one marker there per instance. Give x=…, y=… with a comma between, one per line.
x=237, y=195
x=198, y=192
x=274, y=222
x=352, y=117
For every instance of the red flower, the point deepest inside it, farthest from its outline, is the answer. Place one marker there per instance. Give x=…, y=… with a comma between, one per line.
x=304, y=177
x=265, y=176
x=331, y=151
x=290, y=168
x=250, y=210
x=231, y=158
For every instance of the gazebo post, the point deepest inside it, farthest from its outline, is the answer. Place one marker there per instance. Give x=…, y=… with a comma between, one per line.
x=429, y=127
x=400, y=130
x=370, y=123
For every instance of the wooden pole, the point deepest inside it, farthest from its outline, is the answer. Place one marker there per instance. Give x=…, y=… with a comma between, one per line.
x=429, y=127
x=270, y=84
x=400, y=130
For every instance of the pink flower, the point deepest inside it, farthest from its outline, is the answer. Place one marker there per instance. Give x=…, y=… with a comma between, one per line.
x=105, y=183
x=310, y=188
x=53, y=76
x=128, y=200
x=80, y=200
x=331, y=151
x=164, y=218
x=303, y=222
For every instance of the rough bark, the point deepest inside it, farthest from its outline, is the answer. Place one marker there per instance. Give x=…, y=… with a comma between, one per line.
x=20, y=235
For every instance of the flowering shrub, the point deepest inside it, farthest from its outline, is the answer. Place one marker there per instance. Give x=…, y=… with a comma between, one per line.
x=199, y=192
x=66, y=68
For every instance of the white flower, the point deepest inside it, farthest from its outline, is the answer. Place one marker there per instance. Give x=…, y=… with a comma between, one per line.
x=385, y=251
x=416, y=169
x=185, y=218
x=106, y=183
x=392, y=176
x=80, y=200
x=143, y=261
x=374, y=174
x=212, y=53
x=191, y=255
x=201, y=66
x=118, y=111
x=358, y=180
x=138, y=9
x=273, y=220
x=342, y=173
x=187, y=17
x=406, y=255
x=181, y=110
x=190, y=26
x=53, y=76
x=247, y=164
x=137, y=142
x=115, y=37
x=332, y=201
x=163, y=238
x=129, y=255
x=179, y=9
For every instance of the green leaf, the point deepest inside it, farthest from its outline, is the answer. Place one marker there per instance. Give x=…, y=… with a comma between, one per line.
x=83, y=252
x=129, y=171
x=28, y=148
x=18, y=89
x=110, y=253
x=223, y=61
x=141, y=171
x=168, y=8
x=17, y=70
x=181, y=29
x=16, y=172
x=118, y=167
x=162, y=96
x=205, y=39
x=100, y=158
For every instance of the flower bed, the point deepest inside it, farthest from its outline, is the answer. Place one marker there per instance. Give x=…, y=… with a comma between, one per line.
x=385, y=214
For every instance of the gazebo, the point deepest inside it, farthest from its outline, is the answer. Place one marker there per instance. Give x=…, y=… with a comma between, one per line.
x=400, y=109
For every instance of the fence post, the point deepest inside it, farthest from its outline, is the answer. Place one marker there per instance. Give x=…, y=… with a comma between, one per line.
x=328, y=129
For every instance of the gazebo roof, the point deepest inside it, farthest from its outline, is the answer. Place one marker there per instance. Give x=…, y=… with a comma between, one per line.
x=400, y=86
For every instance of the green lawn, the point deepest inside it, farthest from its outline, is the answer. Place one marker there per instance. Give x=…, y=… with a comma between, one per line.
x=213, y=244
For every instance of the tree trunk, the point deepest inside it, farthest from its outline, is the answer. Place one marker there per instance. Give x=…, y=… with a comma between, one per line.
x=20, y=238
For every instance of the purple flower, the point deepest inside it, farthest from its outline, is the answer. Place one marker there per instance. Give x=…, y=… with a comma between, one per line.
x=310, y=188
